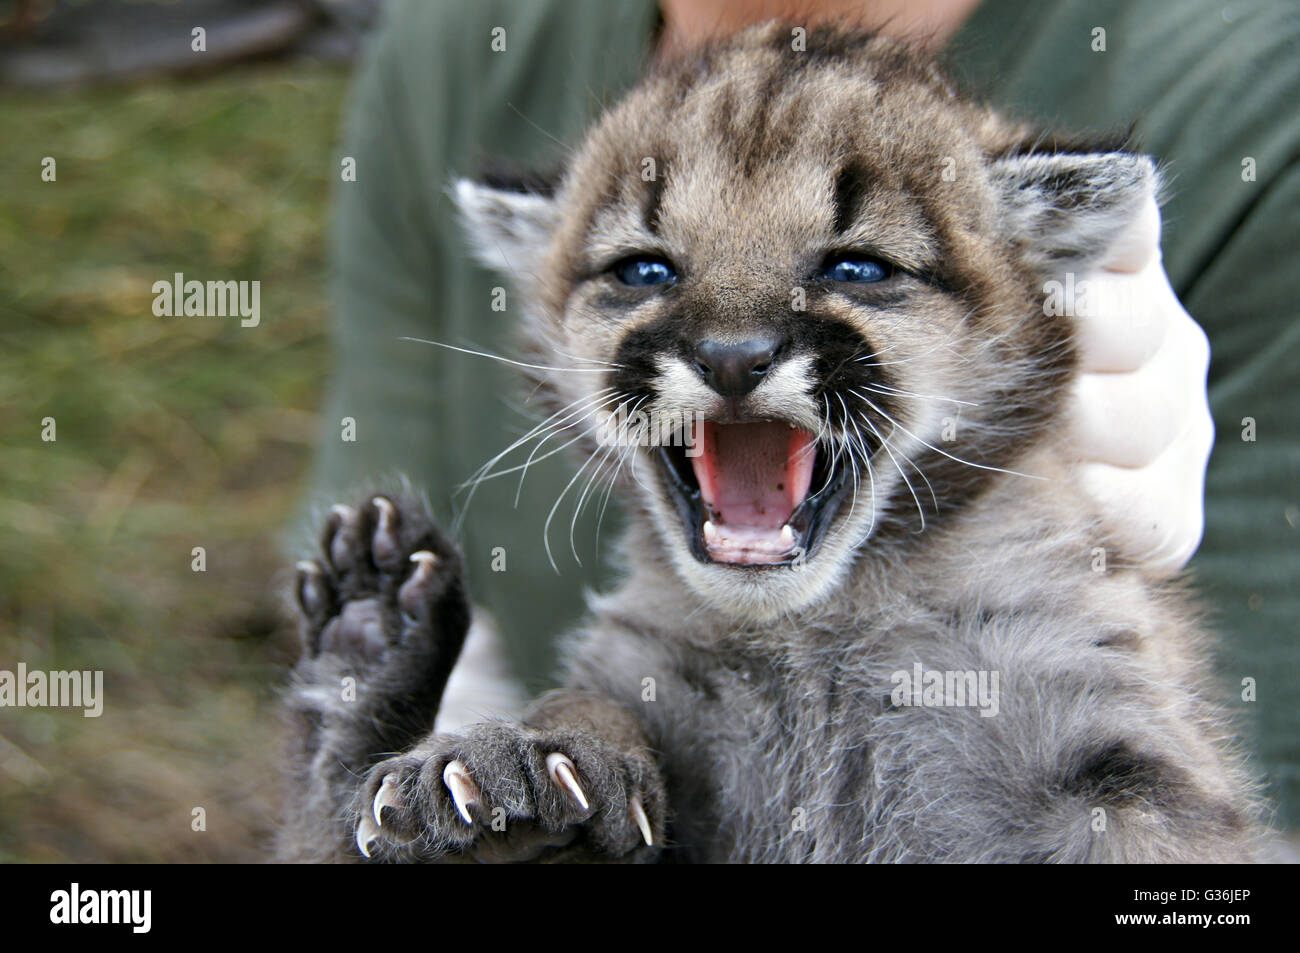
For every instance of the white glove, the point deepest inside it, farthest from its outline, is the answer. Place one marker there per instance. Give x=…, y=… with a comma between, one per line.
x=1141, y=420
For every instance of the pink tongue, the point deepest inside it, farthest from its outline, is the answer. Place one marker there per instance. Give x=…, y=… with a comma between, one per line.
x=752, y=476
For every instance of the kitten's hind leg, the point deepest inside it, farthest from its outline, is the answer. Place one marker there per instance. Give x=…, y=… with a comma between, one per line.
x=383, y=614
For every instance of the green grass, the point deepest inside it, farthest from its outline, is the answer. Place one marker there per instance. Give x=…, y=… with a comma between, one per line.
x=171, y=433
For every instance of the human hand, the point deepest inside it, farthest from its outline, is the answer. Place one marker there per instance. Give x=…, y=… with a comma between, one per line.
x=1141, y=420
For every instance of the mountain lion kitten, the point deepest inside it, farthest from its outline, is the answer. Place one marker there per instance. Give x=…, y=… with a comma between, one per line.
x=790, y=301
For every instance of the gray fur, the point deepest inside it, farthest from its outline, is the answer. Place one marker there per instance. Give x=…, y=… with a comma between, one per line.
x=753, y=711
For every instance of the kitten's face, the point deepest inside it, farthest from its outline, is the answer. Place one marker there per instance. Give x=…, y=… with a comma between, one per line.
x=810, y=283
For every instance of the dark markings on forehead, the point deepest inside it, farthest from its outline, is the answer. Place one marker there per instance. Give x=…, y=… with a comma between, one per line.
x=755, y=110
x=852, y=183
x=759, y=107
x=885, y=62
x=608, y=190
x=825, y=44
x=764, y=120
x=768, y=130
x=654, y=196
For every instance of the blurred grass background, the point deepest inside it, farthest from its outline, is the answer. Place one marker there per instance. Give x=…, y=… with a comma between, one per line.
x=172, y=433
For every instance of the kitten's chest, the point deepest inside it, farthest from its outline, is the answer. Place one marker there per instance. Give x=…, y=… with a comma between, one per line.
x=768, y=758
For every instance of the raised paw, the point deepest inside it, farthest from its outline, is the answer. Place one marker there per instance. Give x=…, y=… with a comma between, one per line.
x=383, y=615
x=386, y=575
x=512, y=794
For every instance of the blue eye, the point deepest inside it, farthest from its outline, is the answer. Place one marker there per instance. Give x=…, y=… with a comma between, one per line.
x=856, y=268
x=639, y=272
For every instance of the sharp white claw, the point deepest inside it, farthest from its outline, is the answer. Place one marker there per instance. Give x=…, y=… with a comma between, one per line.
x=385, y=538
x=643, y=822
x=309, y=587
x=367, y=834
x=387, y=797
x=425, y=561
x=338, y=550
x=564, y=773
x=464, y=792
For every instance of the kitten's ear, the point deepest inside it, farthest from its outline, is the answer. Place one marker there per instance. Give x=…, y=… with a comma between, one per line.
x=508, y=227
x=1065, y=210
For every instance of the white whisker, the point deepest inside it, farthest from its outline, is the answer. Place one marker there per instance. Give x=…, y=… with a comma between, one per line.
x=898, y=392
x=543, y=431
x=978, y=466
x=507, y=360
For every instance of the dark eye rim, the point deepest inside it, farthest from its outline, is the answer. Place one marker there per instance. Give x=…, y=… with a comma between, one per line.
x=615, y=267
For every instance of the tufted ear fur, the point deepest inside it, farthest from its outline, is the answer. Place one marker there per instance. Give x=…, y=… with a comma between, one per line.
x=1064, y=210
x=508, y=228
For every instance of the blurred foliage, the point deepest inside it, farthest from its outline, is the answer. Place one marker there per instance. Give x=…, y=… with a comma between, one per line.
x=172, y=432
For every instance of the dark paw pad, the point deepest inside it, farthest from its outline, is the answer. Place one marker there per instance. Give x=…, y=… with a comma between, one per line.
x=386, y=591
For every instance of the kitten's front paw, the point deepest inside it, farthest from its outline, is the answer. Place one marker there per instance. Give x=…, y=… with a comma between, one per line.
x=384, y=605
x=511, y=794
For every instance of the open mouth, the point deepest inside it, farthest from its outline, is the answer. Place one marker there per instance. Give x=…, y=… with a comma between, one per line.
x=753, y=494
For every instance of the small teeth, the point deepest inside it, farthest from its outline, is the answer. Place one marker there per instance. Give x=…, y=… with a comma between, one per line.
x=464, y=792
x=710, y=532
x=387, y=797
x=787, y=535
x=564, y=773
x=643, y=822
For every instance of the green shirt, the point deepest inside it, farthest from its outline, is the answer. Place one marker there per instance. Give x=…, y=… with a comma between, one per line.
x=1207, y=86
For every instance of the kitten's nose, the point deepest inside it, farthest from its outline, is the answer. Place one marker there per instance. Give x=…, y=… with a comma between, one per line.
x=734, y=369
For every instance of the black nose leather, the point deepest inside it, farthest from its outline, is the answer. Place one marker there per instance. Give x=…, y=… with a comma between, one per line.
x=734, y=369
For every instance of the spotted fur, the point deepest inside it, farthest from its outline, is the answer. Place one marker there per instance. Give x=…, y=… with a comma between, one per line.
x=766, y=694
